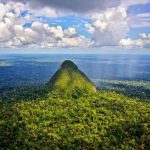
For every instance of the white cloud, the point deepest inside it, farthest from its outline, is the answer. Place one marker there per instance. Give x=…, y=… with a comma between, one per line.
x=109, y=26
x=45, y=36
x=141, y=20
x=14, y=34
x=45, y=11
x=2, y=12
x=143, y=15
x=8, y=18
x=143, y=41
x=4, y=32
x=70, y=32
x=75, y=41
x=128, y=3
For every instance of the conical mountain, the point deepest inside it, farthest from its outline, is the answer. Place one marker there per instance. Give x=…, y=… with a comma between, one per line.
x=70, y=80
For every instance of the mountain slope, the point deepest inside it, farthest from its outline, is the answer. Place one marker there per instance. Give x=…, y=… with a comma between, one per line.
x=70, y=80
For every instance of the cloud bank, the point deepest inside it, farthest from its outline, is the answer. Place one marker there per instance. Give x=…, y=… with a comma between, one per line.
x=143, y=41
x=74, y=5
x=45, y=36
x=107, y=23
x=13, y=33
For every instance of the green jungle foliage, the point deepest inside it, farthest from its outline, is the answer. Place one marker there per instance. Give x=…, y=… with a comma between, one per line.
x=34, y=118
x=135, y=89
x=68, y=113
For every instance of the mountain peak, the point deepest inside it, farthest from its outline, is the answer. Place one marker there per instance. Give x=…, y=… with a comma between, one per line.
x=68, y=64
x=70, y=80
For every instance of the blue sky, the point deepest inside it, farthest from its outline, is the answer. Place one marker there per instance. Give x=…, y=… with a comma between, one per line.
x=84, y=24
x=140, y=8
x=135, y=10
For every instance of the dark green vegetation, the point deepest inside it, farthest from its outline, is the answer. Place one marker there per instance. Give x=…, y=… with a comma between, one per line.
x=71, y=81
x=34, y=118
x=134, y=89
x=67, y=114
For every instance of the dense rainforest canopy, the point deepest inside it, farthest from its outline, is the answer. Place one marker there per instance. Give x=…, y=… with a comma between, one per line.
x=44, y=117
x=34, y=118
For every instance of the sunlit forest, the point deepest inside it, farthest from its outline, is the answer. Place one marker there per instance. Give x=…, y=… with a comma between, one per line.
x=74, y=74
x=71, y=112
x=34, y=118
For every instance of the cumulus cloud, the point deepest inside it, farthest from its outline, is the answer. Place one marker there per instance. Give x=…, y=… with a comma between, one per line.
x=4, y=32
x=42, y=35
x=13, y=33
x=46, y=11
x=109, y=26
x=143, y=41
x=45, y=36
x=8, y=18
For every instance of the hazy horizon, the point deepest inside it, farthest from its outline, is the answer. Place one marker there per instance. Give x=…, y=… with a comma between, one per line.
x=104, y=50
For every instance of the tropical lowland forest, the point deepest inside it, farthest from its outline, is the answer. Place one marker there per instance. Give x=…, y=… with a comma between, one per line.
x=46, y=117
x=74, y=74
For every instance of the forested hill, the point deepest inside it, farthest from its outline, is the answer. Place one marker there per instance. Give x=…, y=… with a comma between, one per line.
x=70, y=80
